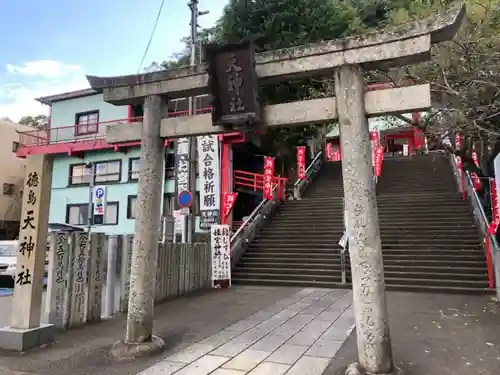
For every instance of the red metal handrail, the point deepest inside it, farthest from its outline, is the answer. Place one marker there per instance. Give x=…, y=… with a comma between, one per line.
x=69, y=134
x=255, y=181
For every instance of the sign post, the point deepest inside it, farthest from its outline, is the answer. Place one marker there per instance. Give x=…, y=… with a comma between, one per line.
x=221, y=255
x=99, y=205
x=26, y=331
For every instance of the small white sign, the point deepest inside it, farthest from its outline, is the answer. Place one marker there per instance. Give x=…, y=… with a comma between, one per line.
x=179, y=220
x=221, y=251
x=405, y=149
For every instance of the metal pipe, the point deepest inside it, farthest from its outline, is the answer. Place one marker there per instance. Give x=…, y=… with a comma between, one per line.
x=251, y=216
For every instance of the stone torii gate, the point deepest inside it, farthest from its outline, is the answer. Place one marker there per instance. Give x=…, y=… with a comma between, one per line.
x=347, y=59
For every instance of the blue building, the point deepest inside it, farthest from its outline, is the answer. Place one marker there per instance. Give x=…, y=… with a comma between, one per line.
x=75, y=138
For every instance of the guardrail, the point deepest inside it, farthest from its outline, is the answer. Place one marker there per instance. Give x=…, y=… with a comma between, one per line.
x=245, y=234
x=312, y=170
x=466, y=187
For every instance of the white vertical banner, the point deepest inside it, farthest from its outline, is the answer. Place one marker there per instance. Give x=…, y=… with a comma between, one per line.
x=209, y=170
x=220, y=243
x=405, y=149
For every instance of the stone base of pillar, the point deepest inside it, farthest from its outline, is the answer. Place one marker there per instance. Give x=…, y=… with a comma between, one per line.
x=22, y=340
x=356, y=369
x=126, y=351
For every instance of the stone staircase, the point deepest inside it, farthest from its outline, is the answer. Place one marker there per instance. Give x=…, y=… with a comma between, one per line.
x=428, y=235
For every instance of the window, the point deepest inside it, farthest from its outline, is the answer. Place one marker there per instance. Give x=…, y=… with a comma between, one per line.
x=105, y=171
x=108, y=171
x=79, y=174
x=133, y=168
x=170, y=166
x=132, y=207
x=8, y=189
x=168, y=205
x=77, y=214
x=87, y=123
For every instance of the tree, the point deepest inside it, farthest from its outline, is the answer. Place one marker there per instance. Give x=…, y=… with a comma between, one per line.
x=40, y=121
x=6, y=118
x=464, y=76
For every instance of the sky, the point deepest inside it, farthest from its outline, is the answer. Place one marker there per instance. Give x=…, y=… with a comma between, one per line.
x=48, y=46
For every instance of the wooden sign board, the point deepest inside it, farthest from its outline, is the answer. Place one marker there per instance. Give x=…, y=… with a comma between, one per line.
x=234, y=85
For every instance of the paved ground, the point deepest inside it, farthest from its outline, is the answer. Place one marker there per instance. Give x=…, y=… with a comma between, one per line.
x=438, y=334
x=298, y=335
x=181, y=323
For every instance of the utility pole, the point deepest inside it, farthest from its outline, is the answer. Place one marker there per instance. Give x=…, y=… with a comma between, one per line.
x=195, y=13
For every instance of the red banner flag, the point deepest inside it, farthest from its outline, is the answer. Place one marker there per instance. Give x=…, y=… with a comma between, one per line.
x=301, y=162
x=375, y=137
x=379, y=158
x=229, y=201
x=268, y=177
x=475, y=177
x=329, y=151
x=495, y=219
x=336, y=156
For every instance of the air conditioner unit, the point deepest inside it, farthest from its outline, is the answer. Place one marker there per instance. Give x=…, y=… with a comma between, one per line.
x=8, y=189
x=15, y=146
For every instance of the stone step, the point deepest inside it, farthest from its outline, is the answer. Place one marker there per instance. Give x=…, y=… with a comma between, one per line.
x=425, y=263
x=318, y=273
x=389, y=286
x=480, y=269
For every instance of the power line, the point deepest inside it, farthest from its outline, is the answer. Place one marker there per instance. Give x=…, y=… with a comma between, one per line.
x=151, y=36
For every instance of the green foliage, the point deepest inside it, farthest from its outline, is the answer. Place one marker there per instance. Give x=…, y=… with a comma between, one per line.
x=39, y=121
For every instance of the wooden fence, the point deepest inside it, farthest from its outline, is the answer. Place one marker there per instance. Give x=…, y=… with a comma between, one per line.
x=89, y=278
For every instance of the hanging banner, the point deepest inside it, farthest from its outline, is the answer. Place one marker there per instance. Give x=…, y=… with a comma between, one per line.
x=268, y=177
x=336, y=156
x=329, y=151
x=182, y=165
x=375, y=137
x=221, y=252
x=229, y=201
x=208, y=167
x=301, y=162
x=495, y=217
x=475, y=177
x=379, y=158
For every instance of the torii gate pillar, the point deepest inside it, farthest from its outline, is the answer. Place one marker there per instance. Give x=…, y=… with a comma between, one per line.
x=365, y=248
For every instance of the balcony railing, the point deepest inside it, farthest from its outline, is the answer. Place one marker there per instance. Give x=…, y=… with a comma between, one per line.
x=74, y=133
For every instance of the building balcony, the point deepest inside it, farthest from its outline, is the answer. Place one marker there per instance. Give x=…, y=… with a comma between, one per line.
x=77, y=139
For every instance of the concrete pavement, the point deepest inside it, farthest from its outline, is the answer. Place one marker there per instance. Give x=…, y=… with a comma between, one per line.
x=437, y=334
x=298, y=335
x=181, y=322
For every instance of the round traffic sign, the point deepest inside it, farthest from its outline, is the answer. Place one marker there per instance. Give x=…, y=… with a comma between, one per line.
x=185, y=199
x=99, y=192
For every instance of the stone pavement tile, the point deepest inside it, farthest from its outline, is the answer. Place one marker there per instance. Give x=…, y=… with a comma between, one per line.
x=163, y=368
x=337, y=332
x=285, y=314
x=329, y=315
x=220, y=338
x=247, y=360
x=324, y=348
x=270, y=342
x=243, y=325
x=231, y=348
x=225, y=371
x=298, y=306
x=287, y=354
x=252, y=335
x=203, y=366
x=269, y=368
x=309, y=366
x=191, y=353
x=310, y=333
